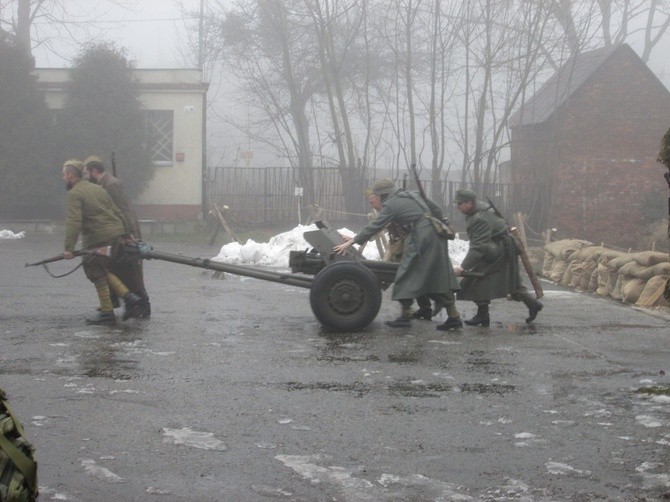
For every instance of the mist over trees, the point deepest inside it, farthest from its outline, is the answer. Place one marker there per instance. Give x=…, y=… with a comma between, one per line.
x=29, y=181
x=387, y=83
x=102, y=114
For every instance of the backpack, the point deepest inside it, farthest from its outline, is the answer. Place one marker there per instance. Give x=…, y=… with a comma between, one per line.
x=18, y=469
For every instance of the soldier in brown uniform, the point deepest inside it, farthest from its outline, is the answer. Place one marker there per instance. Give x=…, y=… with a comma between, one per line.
x=92, y=213
x=130, y=271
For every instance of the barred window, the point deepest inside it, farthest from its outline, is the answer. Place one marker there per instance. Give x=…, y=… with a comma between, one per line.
x=160, y=133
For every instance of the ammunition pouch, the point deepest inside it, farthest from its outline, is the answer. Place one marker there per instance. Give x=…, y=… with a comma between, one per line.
x=441, y=227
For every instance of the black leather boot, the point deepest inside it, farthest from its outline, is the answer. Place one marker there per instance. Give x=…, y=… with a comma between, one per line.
x=143, y=310
x=131, y=301
x=450, y=323
x=425, y=313
x=481, y=318
x=534, y=308
x=404, y=320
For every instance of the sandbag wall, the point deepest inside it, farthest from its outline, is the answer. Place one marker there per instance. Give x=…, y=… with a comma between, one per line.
x=637, y=278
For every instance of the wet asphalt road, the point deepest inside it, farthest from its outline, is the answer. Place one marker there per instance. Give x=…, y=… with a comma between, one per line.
x=274, y=408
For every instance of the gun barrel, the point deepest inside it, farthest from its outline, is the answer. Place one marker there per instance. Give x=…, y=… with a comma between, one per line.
x=265, y=275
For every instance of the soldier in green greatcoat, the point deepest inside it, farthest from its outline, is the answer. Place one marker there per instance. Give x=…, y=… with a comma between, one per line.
x=425, y=268
x=492, y=252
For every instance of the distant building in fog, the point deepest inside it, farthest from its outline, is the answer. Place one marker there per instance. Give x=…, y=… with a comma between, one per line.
x=592, y=133
x=174, y=103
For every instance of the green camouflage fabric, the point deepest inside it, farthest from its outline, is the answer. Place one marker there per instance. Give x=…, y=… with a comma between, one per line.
x=18, y=469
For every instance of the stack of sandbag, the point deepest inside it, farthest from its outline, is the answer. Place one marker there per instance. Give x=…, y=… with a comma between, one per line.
x=647, y=271
x=608, y=271
x=638, y=278
x=557, y=258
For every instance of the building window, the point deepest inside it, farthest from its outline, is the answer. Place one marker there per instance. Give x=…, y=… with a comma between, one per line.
x=160, y=132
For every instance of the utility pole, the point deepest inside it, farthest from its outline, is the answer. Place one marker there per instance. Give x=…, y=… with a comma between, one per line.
x=201, y=67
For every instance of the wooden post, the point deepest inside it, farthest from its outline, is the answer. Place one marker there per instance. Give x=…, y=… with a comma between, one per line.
x=219, y=214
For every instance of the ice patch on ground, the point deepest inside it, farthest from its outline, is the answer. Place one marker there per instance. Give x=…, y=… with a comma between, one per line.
x=648, y=421
x=565, y=469
x=194, y=439
x=318, y=469
x=102, y=473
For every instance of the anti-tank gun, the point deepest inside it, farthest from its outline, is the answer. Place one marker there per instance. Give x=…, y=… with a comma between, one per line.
x=345, y=291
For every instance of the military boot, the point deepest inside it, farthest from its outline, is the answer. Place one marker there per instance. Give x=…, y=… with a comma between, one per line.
x=131, y=301
x=143, y=310
x=403, y=320
x=425, y=313
x=450, y=323
x=102, y=319
x=534, y=308
x=481, y=318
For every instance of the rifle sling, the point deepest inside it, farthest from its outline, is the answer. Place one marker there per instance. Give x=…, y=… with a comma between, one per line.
x=62, y=275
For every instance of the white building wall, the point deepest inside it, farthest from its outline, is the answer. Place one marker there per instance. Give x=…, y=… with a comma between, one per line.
x=179, y=184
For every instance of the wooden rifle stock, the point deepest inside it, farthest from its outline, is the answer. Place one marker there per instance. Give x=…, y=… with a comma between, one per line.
x=514, y=232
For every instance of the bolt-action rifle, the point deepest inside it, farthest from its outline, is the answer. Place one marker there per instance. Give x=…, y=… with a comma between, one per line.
x=514, y=232
x=445, y=228
x=102, y=251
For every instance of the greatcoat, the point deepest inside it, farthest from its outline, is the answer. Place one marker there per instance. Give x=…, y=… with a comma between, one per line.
x=425, y=267
x=493, y=252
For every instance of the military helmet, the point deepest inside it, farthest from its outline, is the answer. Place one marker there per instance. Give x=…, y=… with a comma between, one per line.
x=383, y=186
x=464, y=195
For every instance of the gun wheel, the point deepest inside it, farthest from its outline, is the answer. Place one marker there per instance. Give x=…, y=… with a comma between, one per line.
x=345, y=296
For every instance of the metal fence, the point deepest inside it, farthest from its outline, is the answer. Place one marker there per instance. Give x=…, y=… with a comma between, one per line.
x=270, y=195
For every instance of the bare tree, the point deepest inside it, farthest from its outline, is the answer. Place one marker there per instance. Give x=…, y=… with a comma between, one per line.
x=37, y=23
x=270, y=51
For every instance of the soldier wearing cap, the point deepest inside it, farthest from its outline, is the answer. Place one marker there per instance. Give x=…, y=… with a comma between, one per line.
x=493, y=252
x=425, y=268
x=92, y=213
x=131, y=271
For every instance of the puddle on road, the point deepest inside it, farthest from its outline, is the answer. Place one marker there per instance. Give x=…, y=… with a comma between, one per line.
x=18, y=366
x=356, y=387
x=627, y=326
x=405, y=389
x=334, y=358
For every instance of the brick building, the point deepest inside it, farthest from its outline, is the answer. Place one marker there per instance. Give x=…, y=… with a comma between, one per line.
x=591, y=134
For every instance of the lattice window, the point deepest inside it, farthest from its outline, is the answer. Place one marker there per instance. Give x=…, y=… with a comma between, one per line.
x=160, y=132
